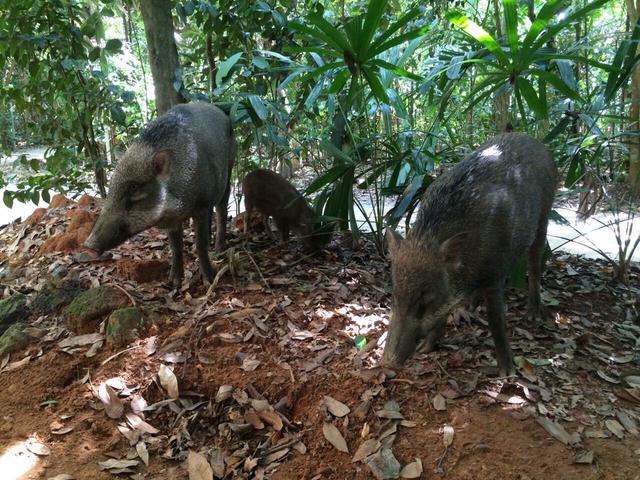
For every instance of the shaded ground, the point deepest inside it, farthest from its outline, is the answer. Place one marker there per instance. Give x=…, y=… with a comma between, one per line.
x=271, y=366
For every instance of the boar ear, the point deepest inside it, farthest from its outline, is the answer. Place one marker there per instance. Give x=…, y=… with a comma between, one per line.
x=161, y=162
x=394, y=239
x=452, y=248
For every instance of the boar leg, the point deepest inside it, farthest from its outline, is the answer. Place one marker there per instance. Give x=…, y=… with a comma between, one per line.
x=494, y=298
x=267, y=227
x=283, y=228
x=203, y=227
x=434, y=336
x=221, y=220
x=536, y=250
x=247, y=216
x=177, y=262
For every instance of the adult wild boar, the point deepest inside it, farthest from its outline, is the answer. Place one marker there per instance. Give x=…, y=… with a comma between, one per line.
x=474, y=222
x=178, y=168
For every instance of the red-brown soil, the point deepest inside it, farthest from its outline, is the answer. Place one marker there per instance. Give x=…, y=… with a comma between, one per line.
x=286, y=311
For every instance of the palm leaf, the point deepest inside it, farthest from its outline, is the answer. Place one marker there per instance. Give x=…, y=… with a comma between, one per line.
x=511, y=25
x=400, y=72
x=375, y=10
x=479, y=34
x=398, y=25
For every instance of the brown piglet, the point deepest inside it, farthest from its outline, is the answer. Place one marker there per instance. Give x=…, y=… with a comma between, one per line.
x=273, y=196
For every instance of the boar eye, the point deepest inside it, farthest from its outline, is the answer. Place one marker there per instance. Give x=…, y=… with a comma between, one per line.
x=135, y=192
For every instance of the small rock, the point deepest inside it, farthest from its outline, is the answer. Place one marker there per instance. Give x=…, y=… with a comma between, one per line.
x=87, y=310
x=12, y=309
x=53, y=297
x=123, y=326
x=14, y=338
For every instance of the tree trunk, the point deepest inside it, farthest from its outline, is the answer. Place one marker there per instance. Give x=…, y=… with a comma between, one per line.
x=211, y=63
x=163, y=53
x=633, y=9
x=501, y=100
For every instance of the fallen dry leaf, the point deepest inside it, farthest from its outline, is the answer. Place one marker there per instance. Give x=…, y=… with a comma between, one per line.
x=136, y=422
x=584, y=457
x=366, y=448
x=113, y=406
x=335, y=438
x=412, y=470
x=141, y=448
x=439, y=402
x=337, y=408
x=169, y=381
x=272, y=419
x=198, y=467
x=38, y=448
x=556, y=430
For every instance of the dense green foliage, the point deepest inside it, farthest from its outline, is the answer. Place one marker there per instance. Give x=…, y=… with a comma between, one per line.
x=370, y=95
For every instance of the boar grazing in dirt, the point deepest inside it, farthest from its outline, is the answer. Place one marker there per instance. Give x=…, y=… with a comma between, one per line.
x=474, y=222
x=178, y=168
x=272, y=195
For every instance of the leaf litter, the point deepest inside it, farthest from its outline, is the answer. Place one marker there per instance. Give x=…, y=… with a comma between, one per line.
x=324, y=316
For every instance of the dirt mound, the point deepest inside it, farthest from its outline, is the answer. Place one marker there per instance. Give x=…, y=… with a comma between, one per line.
x=143, y=271
x=77, y=230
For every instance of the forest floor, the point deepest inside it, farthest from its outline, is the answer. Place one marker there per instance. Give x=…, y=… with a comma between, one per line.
x=272, y=373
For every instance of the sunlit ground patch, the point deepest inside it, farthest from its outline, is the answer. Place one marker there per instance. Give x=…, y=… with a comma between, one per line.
x=17, y=460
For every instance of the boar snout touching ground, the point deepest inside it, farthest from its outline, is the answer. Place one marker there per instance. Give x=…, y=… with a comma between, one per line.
x=178, y=168
x=474, y=222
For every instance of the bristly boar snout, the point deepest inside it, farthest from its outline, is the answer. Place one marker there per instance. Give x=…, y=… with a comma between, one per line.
x=400, y=344
x=107, y=234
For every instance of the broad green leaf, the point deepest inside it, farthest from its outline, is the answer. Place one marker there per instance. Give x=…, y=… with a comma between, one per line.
x=277, y=55
x=339, y=79
x=567, y=74
x=118, y=115
x=290, y=78
x=511, y=24
x=310, y=102
x=531, y=97
x=353, y=29
x=316, y=72
x=113, y=45
x=260, y=62
x=558, y=83
x=574, y=58
x=226, y=66
x=7, y=198
x=480, y=34
x=258, y=107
